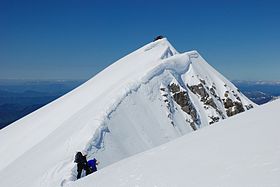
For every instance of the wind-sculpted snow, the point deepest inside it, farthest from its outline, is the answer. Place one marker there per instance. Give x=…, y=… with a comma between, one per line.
x=120, y=112
x=137, y=132
x=178, y=64
x=242, y=151
x=147, y=86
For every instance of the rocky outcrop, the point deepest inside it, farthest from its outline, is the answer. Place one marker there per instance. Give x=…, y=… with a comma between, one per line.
x=228, y=103
x=233, y=107
x=213, y=92
x=248, y=107
x=214, y=120
x=210, y=102
x=200, y=90
x=205, y=93
x=181, y=97
x=217, y=106
x=168, y=103
x=231, y=101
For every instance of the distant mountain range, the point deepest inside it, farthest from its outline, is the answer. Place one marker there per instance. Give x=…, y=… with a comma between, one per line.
x=19, y=98
x=259, y=92
x=259, y=82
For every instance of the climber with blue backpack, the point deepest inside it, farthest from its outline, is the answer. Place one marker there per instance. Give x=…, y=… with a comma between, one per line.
x=92, y=164
x=83, y=164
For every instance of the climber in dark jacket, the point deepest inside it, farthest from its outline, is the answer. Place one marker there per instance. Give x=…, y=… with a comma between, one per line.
x=82, y=163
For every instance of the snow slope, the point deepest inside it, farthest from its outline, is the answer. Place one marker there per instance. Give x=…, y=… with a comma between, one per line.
x=241, y=151
x=143, y=100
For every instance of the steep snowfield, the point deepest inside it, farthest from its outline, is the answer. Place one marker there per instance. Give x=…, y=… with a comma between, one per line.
x=241, y=151
x=143, y=100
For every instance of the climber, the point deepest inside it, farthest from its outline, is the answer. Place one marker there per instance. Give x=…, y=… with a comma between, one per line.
x=82, y=163
x=158, y=38
x=92, y=164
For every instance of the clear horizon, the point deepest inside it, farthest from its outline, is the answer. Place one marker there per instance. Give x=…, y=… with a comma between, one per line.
x=71, y=40
x=55, y=80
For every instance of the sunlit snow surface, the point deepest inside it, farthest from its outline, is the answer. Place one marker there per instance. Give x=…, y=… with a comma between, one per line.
x=241, y=151
x=116, y=114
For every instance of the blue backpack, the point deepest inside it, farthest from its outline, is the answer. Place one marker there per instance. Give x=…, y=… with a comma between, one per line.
x=92, y=164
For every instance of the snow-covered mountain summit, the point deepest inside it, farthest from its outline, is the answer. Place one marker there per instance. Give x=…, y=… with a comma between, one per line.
x=145, y=99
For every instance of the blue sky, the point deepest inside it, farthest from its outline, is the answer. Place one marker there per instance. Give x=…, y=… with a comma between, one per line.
x=75, y=39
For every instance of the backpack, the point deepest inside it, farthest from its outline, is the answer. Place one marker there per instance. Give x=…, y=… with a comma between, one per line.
x=92, y=165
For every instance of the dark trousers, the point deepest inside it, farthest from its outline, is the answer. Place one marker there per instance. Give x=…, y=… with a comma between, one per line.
x=80, y=167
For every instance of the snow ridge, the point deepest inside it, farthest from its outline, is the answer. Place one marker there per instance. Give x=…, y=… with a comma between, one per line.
x=143, y=100
x=174, y=64
x=210, y=157
x=176, y=67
